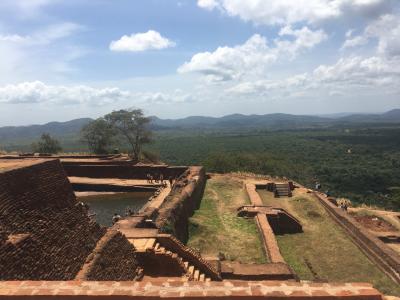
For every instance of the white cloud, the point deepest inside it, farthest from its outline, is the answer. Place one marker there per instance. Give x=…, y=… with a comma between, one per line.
x=274, y=12
x=38, y=53
x=44, y=35
x=262, y=86
x=177, y=96
x=304, y=39
x=38, y=92
x=371, y=71
x=13, y=38
x=141, y=42
x=252, y=57
x=386, y=30
x=26, y=8
x=354, y=42
x=373, y=74
x=208, y=4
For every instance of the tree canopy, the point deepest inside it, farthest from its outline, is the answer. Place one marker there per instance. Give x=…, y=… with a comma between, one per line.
x=99, y=135
x=47, y=144
x=133, y=126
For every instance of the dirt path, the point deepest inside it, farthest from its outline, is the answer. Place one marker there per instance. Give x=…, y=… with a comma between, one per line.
x=390, y=216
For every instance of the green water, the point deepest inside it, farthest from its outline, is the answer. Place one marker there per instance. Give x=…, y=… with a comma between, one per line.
x=104, y=206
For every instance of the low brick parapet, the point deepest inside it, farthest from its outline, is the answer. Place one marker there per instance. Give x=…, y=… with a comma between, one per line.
x=177, y=290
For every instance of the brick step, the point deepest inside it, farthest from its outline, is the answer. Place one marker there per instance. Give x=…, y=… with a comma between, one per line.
x=196, y=275
x=191, y=259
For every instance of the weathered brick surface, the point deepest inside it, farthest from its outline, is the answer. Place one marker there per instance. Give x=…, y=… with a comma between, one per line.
x=181, y=203
x=268, y=237
x=115, y=259
x=192, y=290
x=123, y=170
x=44, y=234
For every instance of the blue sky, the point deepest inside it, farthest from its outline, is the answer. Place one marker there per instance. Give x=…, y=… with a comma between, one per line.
x=61, y=59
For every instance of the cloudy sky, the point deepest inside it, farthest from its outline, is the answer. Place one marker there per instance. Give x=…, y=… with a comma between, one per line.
x=66, y=59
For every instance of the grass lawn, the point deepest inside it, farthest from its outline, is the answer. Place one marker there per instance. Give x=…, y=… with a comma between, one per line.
x=215, y=227
x=324, y=251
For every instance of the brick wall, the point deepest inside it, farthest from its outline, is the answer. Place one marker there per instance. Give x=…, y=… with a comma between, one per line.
x=186, y=290
x=122, y=171
x=44, y=234
x=113, y=259
x=386, y=258
x=181, y=203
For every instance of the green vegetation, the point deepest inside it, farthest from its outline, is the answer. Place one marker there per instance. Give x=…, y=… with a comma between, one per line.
x=368, y=174
x=215, y=228
x=324, y=251
x=133, y=126
x=47, y=144
x=99, y=136
x=360, y=162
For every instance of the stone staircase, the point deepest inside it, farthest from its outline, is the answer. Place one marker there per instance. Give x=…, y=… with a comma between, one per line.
x=282, y=190
x=179, y=259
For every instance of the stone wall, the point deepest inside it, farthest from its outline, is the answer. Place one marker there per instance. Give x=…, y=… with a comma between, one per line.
x=44, y=233
x=179, y=206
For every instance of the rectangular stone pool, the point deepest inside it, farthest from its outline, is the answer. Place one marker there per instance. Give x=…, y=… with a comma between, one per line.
x=104, y=205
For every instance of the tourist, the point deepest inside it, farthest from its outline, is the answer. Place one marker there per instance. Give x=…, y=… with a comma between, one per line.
x=161, y=178
x=148, y=178
x=116, y=218
x=170, y=181
x=151, y=179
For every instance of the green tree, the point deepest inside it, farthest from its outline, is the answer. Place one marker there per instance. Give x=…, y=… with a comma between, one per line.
x=47, y=144
x=99, y=135
x=133, y=126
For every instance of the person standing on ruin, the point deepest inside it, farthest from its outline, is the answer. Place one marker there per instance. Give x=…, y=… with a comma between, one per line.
x=116, y=218
x=161, y=178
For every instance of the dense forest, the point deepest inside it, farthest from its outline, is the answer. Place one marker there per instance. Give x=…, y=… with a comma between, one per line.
x=361, y=163
x=357, y=161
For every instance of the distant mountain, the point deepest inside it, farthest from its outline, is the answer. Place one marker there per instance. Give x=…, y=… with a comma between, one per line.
x=390, y=116
x=17, y=135
x=57, y=129
x=240, y=121
x=393, y=114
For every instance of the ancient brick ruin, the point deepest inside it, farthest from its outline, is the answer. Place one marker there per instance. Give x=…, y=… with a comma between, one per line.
x=50, y=247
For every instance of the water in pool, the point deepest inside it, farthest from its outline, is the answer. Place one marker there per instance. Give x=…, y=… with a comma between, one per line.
x=105, y=205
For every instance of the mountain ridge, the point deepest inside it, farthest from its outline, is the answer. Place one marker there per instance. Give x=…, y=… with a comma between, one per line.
x=232, y=121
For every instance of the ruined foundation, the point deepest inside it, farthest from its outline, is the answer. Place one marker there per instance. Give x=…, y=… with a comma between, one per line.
x=50, y=248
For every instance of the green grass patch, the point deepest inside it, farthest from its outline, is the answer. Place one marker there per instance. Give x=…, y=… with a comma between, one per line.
x=324, y=251
x=215, y=228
